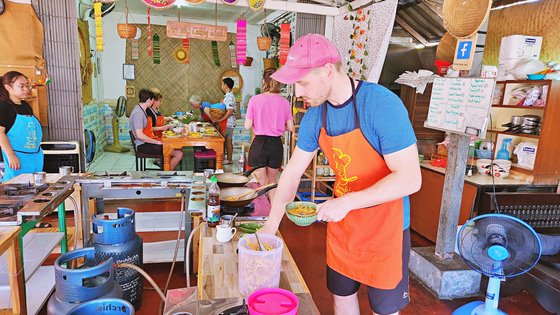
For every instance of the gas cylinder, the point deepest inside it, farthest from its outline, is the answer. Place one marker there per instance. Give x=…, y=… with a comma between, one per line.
x=82, y=284
x=117, y=238
x=104, y=307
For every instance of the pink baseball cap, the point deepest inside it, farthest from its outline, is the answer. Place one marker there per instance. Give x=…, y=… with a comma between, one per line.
x=308, y=52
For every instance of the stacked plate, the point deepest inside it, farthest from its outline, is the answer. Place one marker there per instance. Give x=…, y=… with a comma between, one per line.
x=527, y=124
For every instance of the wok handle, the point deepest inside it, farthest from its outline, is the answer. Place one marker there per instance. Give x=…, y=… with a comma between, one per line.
x=249, y=172
x=266, y=189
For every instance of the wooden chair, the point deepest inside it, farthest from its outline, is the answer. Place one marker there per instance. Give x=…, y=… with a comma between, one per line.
x=141, y=157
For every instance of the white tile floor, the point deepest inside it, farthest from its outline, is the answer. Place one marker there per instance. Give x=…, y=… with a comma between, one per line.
x=120, y=162
x=114, y=162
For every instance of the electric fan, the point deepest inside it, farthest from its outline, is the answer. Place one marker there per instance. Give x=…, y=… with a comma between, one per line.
x=499, y=247
x=119, y=112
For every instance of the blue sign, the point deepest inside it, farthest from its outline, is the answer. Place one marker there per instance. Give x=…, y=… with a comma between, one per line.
x=464, y=50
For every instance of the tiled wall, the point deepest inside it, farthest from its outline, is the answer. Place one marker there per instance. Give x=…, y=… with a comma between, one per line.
x=94, y=121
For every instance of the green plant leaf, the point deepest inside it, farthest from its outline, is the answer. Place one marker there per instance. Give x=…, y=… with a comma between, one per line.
x=352, y=57
x=366, y=53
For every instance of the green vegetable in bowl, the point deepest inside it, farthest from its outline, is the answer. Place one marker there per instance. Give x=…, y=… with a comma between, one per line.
x=250, y=227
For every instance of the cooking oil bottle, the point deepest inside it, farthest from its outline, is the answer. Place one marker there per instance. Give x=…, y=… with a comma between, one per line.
x=212, y=216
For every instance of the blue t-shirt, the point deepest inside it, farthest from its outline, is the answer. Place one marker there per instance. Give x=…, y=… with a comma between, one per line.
x=205, y=105
x=383, y=120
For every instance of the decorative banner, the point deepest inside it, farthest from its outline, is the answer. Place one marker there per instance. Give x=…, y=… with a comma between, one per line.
x=159, y=4
x=134, y=49
x=241, y=41
x=98, y=26
x=232, y=55
x=149, y=35
x=284, y=42
x=199, y=31
x=380, y=24
x=230, y=1
x=156, y=49
x=187, y=48
x=215, y=53
x=181, y=55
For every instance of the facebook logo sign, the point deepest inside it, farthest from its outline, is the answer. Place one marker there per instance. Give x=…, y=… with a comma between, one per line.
x=464, y=50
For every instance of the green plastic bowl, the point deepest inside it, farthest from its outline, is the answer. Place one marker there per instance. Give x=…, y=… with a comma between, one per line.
x=301, y=220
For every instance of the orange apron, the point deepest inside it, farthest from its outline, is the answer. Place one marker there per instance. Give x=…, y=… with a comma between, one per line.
x=366, y=245
x=160, y=121
x=148, y=131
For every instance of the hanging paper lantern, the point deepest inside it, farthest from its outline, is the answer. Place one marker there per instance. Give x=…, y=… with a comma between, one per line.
x=156, y=52
x=215, y=53
x=98, y=26
x=134, y=49
x=241, y=41
x=284, y=42
x=232, y=55
x=159, y=4
x=187, y=50
x=149, y=35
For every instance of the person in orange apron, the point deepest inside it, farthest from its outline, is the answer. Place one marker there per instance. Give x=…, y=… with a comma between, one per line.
x=141, y=125
x=157, y=118
x=364, y=131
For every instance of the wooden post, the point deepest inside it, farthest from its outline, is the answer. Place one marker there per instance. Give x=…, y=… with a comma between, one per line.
x=452, y=195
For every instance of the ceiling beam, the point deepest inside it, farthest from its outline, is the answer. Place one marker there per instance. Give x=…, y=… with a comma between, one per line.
x=411, y=30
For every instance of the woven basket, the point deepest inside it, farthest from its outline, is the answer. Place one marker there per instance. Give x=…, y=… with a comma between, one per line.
x=216, y=113
x=446, y=48
x=248, y=61
x=264, y=43
x=463, y=18
x=127, y=31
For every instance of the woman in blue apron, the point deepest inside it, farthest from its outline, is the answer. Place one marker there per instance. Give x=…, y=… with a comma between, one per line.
x=20, y=130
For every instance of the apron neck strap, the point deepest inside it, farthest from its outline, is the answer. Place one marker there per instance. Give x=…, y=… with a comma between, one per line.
x=356, y=118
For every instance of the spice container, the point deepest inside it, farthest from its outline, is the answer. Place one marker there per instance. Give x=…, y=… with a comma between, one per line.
x=259, y=269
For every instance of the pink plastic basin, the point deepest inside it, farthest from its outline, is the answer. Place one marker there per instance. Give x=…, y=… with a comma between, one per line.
x=272, y=301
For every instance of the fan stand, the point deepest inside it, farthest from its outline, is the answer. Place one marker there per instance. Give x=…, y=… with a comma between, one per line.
x=489, y=306
x=116, y=146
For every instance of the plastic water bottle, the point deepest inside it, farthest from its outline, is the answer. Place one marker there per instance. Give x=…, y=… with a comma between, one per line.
x=213, y=208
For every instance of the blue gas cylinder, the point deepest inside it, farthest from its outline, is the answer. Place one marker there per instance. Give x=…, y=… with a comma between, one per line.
x=104, y=307
x=87, y=282
x=116, y=238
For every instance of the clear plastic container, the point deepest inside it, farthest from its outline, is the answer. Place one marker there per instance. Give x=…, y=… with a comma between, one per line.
x=259, y=269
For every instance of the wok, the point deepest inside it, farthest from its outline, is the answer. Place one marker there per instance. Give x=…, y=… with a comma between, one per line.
x=235, y=180
x=237, y=191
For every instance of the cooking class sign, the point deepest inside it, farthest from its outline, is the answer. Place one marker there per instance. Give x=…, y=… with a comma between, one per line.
x=199, y=31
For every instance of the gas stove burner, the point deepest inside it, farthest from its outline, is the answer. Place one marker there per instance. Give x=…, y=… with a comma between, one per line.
x=125, y=173
x=246, y=210
x=22, y=191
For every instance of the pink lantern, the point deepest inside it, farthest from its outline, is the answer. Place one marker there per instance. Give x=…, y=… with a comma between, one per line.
x=241, y=41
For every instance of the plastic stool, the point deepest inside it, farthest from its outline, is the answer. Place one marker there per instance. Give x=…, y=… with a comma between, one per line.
x=204, y=159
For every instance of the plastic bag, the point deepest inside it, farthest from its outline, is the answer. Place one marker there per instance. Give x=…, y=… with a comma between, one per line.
x=526, y=153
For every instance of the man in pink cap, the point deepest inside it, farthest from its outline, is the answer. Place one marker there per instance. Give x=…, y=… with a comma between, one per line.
x=364, y=131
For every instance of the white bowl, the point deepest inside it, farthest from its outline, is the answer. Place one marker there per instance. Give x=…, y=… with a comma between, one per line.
x=483, y=166
x=178, y=130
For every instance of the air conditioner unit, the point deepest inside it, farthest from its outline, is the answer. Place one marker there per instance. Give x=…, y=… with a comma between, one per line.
x=61, y=153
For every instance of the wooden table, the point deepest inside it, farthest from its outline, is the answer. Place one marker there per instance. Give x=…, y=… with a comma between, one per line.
x=217, y=272
x=9, y=242
x=210, y=142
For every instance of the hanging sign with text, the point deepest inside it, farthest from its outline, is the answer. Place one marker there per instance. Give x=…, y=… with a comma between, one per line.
x=199, y=31
x=460, y=105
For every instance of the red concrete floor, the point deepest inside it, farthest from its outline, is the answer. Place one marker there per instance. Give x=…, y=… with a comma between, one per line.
x=307, y=245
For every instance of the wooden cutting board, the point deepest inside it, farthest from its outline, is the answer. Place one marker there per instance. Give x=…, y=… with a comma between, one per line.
x=217, y=268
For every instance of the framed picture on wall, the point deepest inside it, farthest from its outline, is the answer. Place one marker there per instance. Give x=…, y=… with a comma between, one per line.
x=128, y=72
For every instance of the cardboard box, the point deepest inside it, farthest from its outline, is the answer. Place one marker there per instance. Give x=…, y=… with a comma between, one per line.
x=520, y=46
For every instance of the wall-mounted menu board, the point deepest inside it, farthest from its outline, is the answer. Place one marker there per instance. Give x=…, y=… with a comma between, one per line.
x=460, y=105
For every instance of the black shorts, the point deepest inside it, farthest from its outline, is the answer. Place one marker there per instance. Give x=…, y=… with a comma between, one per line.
x=380, y=301
x=267, y=151
x=150, y=148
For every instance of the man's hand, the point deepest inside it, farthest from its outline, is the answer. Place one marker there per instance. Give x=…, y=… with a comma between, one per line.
x=167, y=127
x=333, y=210
x=14, y=162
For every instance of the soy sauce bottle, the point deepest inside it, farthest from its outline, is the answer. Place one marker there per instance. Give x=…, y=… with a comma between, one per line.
x=213, y=207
